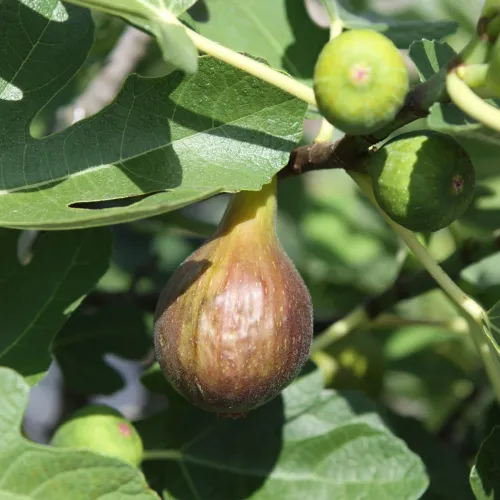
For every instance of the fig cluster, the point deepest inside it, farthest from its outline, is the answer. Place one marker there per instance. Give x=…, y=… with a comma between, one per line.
x=423, y=180
x=233, y=326
x=360, y=81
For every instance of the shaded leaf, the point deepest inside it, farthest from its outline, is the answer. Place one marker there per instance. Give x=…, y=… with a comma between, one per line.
x=32, y=471
x=484, y=477
x=37, y=299
x=156, y=17
x=88, y=336
x=163, y=144
x=401, y=32
x=335, y=447
x=430, y=57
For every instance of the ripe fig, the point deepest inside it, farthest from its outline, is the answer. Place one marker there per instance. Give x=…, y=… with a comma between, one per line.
x=360, y=81
x=103, y=430
x=422, y=180
x=233, y=325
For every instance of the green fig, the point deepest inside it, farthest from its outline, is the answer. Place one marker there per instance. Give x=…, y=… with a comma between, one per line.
x=103, y=430
x=233, y=325
x=360, y=81
x=423, y=180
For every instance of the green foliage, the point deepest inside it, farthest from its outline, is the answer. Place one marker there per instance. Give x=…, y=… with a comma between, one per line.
x=29, y=470
x=484, y=476
x=308, y=433
x=37, y=298
x=145, y=144
x=404, y=404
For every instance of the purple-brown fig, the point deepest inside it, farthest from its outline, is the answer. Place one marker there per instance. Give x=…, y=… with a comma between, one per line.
x=233, y=325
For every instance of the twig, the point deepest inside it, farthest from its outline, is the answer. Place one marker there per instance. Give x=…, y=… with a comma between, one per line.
x=127, y=53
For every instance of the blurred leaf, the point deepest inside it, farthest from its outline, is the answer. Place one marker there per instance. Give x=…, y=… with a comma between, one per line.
x=484, y=477
x=401, y=32
x=29, y=470
x=280, y=31
x=37, y=299
x=348, y=243
x=334, y=447
x=430, y=57
x=447, y=471
x=152, y=16
x=81, y=345
x=164, y=143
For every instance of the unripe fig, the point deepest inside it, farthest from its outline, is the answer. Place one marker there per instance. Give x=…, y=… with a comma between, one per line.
x=103, y=430
x=422, y=180
x=233, y=325
x=360, y=81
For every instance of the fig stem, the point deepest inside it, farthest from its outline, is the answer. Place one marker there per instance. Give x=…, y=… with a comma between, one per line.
x=252, y=67
x=162, y=455
x=470, y=103
x=327, y=129
x=341, y=328
x=476, y=316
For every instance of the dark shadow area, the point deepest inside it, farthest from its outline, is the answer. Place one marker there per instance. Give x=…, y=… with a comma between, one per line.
x=199, y=12
x=218, y=458
x=113, y=203
x=300, y=57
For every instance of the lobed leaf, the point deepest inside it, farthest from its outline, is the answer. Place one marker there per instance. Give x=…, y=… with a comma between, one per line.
x=36, y=299
x=32, y=471
x=334, y=446
x=162, y=144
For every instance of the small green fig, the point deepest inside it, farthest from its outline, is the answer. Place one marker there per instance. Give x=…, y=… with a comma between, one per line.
x=103, y=430
x=360, y=81
x=233, y=325
x=423, y=180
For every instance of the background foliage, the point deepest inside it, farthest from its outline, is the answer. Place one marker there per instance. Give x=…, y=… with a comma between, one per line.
x=400, y=409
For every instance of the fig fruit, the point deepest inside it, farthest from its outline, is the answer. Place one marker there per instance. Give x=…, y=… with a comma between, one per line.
x=360, y=81
x=103, y=430
x=422, y=180
x=233, y=325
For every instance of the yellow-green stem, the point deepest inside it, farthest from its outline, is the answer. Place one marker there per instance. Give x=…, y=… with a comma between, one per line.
x=252, y=67
x=340, y=328
x=470, y=103
x=475, y=314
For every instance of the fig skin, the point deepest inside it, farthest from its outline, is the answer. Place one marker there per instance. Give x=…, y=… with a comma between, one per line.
x=360, y=81
x=423, y=180
x=102, y=430
x=233, y=326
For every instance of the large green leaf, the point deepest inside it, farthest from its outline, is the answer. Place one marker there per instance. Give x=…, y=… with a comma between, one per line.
x=31, y=471
x=36, y=299
x=89, y=335
x=484, y=478
x=279, y=31
x=307, y=443
x=176, y=139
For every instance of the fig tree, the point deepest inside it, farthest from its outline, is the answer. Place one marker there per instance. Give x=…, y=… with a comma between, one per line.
x=103, y=430
x=360, y=81
x=233, y=325
x=422, y=180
